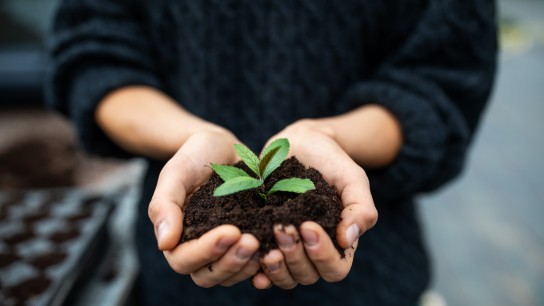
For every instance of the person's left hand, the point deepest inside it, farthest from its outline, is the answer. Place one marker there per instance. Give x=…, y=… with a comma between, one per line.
x=308, y=254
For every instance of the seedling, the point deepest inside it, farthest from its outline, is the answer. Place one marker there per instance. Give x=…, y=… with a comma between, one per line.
x=236, y=179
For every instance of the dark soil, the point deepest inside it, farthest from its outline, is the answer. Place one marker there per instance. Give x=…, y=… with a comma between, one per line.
x=20, y=237
x=29, y=288
x=8, y=258
x=45, y=261
x=62, y=236
x=91, y=200
x=36, y=217
x=3, y=213
x=86, y=213
x=251, y=214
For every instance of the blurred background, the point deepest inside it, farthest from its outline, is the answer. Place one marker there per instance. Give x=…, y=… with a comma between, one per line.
x=484, y=230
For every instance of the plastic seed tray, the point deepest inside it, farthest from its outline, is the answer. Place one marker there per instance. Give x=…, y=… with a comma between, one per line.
x=46, y=240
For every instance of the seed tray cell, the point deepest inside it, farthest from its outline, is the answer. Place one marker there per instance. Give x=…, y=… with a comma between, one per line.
x=46, y=238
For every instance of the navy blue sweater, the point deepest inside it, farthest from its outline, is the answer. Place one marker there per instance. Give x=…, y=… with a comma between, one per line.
x=256, y=66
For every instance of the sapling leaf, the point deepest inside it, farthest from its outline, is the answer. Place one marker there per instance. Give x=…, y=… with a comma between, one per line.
x=236, y=179
x=281, y=148
x=297, y=185
x=250, y=159
x=237, y=184
x=227, y=172
x=265, y=160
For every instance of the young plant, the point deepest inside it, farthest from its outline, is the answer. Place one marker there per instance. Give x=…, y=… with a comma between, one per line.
x=236, y=179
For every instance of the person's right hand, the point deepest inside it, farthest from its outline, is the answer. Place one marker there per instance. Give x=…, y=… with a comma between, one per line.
x=222, y=256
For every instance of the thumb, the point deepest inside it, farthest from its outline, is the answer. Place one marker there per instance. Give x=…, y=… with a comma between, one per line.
x=167, y=222
x=165, y=208
x=359, y=213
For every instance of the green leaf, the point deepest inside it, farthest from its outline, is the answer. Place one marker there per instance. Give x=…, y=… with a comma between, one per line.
x=227, y=172
x=296, y=185
x=249, y=158
x=273, y=155
x=237, y=184
x=265, y=160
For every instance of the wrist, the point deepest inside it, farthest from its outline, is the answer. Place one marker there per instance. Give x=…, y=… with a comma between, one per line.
x=179, y=134
x=370, y=134
x=144, y=121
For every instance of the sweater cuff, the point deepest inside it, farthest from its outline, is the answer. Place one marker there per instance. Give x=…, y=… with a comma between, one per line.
x=424, y=137
x=88, y=87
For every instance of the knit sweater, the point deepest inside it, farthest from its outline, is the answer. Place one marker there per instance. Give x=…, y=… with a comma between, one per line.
x=256, y=66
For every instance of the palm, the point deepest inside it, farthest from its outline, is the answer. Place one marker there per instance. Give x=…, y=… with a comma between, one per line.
x=318, y=149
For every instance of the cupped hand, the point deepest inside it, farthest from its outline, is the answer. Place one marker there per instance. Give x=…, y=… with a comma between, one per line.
x=307, y=254
x=223, y=255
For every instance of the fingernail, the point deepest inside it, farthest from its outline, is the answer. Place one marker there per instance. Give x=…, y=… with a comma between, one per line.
x=285, y=240
x=244, y=254
x=273, y=267
x=309, y=236
x=162, y=230
x=225, y=243
x=352, y=233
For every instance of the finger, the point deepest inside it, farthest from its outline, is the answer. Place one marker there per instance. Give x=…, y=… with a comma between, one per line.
x=197, y=253
x=177, y=178
x=331, y=266
x=351, y=182
x=276, y=270
x=228, y=265
x=359, y=213
x=261, y=281
x=185, y=171
x=301, y=268
x=249, y=270
x=167, y=222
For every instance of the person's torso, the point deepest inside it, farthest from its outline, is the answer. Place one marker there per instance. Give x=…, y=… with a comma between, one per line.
x=256, y=66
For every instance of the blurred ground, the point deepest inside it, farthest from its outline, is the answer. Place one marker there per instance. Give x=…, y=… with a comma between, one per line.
x=38, y=149
x=485, y=230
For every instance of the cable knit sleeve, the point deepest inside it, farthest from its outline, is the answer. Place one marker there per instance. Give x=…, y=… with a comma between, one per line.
x=96, y=46
x=436, y=83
